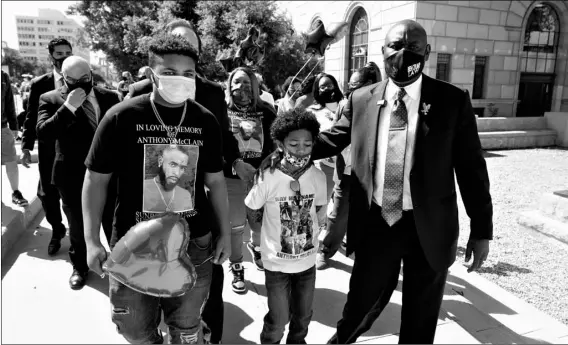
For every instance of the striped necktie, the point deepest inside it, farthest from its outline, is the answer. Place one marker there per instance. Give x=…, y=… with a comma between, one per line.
x=91, y=113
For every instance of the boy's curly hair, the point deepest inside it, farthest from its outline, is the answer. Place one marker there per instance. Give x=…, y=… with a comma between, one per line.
x=164, y=44
x=293, y=120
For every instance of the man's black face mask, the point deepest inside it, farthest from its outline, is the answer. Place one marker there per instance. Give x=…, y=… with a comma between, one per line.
x=403, y=66
x=87, y=86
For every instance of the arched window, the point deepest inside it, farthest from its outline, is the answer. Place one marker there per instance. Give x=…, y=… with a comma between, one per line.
x=541, y=40
x=358, y=40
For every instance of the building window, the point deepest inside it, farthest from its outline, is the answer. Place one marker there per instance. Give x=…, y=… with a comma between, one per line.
x=40, y=21
x=479, y=76
x=59, y=22
x=443, y=67
x=541, y=40
x=358, y=41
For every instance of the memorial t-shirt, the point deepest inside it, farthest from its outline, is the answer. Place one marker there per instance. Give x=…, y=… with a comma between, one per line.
x=290, y=227
x=252, y=132
x=157, y=173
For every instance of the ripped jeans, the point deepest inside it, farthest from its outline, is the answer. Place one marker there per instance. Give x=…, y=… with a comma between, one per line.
x=137, y=316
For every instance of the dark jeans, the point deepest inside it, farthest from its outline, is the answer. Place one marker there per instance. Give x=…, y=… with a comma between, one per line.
x=137, y=316
x=337, y=218
x=213, y=312
x=375, y=276
x=290, y=298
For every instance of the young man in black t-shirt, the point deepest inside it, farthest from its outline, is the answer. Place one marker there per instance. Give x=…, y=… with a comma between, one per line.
x=131, y=142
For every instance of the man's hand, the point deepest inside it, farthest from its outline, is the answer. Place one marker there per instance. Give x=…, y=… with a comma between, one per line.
x=222, y=250
x=26, y=158
x=96, y=256
x=272, y=161
x=480, y=249
x=244, y=170
x=76, y=97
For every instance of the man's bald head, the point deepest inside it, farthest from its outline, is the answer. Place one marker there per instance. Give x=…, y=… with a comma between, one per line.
x=406, y=36
x=75, y=68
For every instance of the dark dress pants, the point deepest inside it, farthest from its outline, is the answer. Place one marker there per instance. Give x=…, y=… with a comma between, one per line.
x=46, y=191
x=213, y=312
x=375, y=276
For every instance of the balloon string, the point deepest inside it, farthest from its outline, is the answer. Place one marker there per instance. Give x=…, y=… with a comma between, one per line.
x=307, y=76
x=289, y=86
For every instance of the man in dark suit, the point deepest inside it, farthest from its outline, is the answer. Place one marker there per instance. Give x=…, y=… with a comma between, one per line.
x=409, y=134
x=70, y=116
x=59, y=50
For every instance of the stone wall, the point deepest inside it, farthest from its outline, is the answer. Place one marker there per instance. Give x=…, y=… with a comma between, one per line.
x=464, y=29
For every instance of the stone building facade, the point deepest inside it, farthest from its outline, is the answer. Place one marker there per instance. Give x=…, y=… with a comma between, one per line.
x=510, y=55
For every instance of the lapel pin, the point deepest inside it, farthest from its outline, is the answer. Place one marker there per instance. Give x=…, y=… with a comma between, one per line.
x=425, y=108
x=381, y=102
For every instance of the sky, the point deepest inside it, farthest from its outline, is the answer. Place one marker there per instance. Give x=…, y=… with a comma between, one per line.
x=27, y=8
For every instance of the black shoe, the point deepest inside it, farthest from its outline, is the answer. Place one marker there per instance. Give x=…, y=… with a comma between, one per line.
x=18, y=199
x=53, y=246
x=78, y=279
x=256, y=256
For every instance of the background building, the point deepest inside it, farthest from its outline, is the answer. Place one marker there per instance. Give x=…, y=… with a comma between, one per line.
x=34, y=34
x=105, y=69
x=510, y=55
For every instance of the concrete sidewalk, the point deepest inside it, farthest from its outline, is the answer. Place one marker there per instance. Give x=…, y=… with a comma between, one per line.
x=39, y=307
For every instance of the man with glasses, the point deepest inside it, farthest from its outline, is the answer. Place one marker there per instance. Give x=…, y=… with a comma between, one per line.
x=59, y=50
x=70, y=115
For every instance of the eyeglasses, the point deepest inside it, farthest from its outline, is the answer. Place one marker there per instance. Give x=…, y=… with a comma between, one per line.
x=295, y=187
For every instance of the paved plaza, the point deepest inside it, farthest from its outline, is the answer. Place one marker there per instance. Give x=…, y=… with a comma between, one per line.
x=39, y=307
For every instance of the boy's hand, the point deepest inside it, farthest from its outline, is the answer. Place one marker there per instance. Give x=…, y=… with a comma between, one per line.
x=272, y=161
x=222, y=250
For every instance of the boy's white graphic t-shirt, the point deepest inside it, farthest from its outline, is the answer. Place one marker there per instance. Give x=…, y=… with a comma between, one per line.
x=290, y=228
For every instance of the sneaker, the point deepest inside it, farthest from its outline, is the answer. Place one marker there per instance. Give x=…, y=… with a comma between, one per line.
x=321, y=262
x=18, y=199
x=256, y=257
x=238, y=283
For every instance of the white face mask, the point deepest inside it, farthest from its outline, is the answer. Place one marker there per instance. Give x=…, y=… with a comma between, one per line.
x=175, y=89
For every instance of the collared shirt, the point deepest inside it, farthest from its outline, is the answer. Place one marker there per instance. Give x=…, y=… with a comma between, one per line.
x=93, y=99
x=412, y=101
x=57, y=79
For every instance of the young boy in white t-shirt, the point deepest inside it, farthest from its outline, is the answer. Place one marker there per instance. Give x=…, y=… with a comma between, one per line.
x=291, y=203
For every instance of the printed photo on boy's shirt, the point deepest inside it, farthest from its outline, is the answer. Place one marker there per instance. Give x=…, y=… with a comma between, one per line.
x=296, y=236
x=169, y=178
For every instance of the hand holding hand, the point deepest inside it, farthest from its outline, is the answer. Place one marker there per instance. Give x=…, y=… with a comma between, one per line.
x=96, y=256
x=26, y=158
x=76, y=97
x=480, y=250
x=222, y=250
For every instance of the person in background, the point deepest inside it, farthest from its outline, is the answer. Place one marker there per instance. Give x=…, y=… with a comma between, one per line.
x=59, y=49
x=250, y=119
x=327, y=96
x=69, y=116
x=264, y=94
x=139, y=87
x=125, y=83
x=289, y=239
x=338, y=215
x=142, y=73
x=292, y=89
x=307, y=97
x=9, y=135
x=373, y=68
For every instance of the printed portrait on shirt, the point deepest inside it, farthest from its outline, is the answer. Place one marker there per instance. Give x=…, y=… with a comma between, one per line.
x=169, y=178
x=249, y=134
x=296, y=236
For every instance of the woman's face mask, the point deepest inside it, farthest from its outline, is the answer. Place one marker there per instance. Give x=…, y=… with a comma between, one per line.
x=326, y=90
x=175, y=89
x=241, y=88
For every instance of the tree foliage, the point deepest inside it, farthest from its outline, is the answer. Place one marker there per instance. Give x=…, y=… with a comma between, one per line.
x=18, y=65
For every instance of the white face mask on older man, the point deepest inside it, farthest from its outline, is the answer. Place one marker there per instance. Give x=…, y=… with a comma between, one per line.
x=175, y=89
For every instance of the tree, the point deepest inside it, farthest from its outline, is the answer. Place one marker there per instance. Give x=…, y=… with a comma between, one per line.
x=115, y=27
x=16, y=63
x=223, y=24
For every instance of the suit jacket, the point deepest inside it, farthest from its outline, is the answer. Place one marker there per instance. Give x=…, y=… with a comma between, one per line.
x=211, y=96
x=71, y=131
x=446, y=142
x=38, y=87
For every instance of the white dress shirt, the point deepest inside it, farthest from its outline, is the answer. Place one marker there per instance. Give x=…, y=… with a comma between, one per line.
x=412, y=101
x=93, y=99
x=57, y=79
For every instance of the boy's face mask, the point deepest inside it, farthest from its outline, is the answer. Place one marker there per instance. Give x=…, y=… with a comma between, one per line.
x=295, y=160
